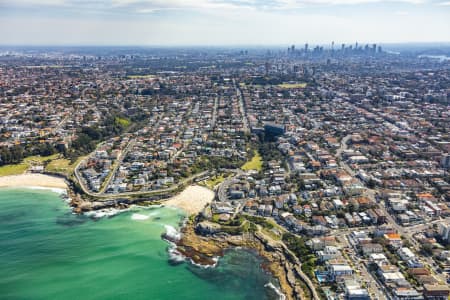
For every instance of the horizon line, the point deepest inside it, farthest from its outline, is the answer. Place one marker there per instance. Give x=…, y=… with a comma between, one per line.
x=337, y=44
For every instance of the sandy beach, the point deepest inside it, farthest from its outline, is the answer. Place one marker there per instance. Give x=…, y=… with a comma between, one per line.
x=193, y=199
x=31, y=179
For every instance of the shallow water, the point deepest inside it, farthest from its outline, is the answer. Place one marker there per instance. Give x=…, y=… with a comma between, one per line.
x=49, y=253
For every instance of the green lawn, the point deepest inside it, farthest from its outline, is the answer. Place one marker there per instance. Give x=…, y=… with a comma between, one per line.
x=37, y=159
x=300, y=85
x=212, y=182
x=148, y=76
x=13, y=169
x=272, y=234
x=122, y=122
x=23, y=166
x=62, y=165
x=56, y=163
x=254, y=164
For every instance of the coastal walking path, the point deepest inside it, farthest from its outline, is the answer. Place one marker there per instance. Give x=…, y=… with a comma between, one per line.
x=297, y=262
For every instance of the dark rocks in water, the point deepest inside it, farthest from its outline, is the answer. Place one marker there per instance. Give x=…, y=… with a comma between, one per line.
x=175, y=262
x=70, y=220
x=124, y=201
x=168, y=238
x=157, y=218
x=196, y=256
x=12, y=217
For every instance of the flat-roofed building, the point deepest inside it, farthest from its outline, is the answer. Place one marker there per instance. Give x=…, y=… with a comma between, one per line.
x=436, y=292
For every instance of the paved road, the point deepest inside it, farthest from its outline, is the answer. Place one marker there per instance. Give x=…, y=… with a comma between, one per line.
x=117, y=165
x=127, y=194
x=80, y=178
x=60, y=124
x=242, y=107
x=297, y=262
x=373, y=286
x=407, y=232
x=223, y=187
x=214, y=116
x=339, y=151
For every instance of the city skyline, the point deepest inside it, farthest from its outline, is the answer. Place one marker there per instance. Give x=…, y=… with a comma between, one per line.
x=217, y=23
x=225, y=149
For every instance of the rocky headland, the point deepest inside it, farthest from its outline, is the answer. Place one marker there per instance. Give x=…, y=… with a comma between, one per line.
x=203, y=242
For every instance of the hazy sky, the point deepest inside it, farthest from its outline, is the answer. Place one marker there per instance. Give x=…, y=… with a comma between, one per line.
x=221, y=22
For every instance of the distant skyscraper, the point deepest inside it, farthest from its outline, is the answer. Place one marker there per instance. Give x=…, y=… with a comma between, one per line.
x=444, y=231
x=446, y=161
x=306, y=47
x=267, y=66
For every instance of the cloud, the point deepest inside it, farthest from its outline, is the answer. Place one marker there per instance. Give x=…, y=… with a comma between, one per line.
x=302, y=3
x=247, y=4
x=33, y=2
x=241, y=28
x=402, y=13
x=155, y=5
x=220, y=22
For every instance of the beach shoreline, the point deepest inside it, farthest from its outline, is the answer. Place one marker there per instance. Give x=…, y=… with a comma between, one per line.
x=33, y=180
x=192, y=199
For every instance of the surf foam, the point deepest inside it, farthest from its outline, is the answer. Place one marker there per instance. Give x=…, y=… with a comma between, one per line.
x=176, y=257
x=108, y=212
x=172, y=233
x=139, y=217
x=59, y=191
x=276, y=290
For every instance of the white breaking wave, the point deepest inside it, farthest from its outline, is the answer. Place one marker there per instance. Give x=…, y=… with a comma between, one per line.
x=215, y=259
x=277, y=291
x=174, y=254
x=139, y=217
x=177, y=257
x=172, y=233
x=107, y=212
x=54, y=190
x=147, y=207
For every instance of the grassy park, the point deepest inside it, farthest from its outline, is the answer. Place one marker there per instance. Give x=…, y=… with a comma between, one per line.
x=300, y=85
x=20, y=168
x=62, y=165
x=254, y=164
x=147, y=76
x=13, y=169
x=212, y=182
x=54, y=163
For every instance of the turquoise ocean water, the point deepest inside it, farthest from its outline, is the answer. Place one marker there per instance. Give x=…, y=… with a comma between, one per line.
x=46, y=252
